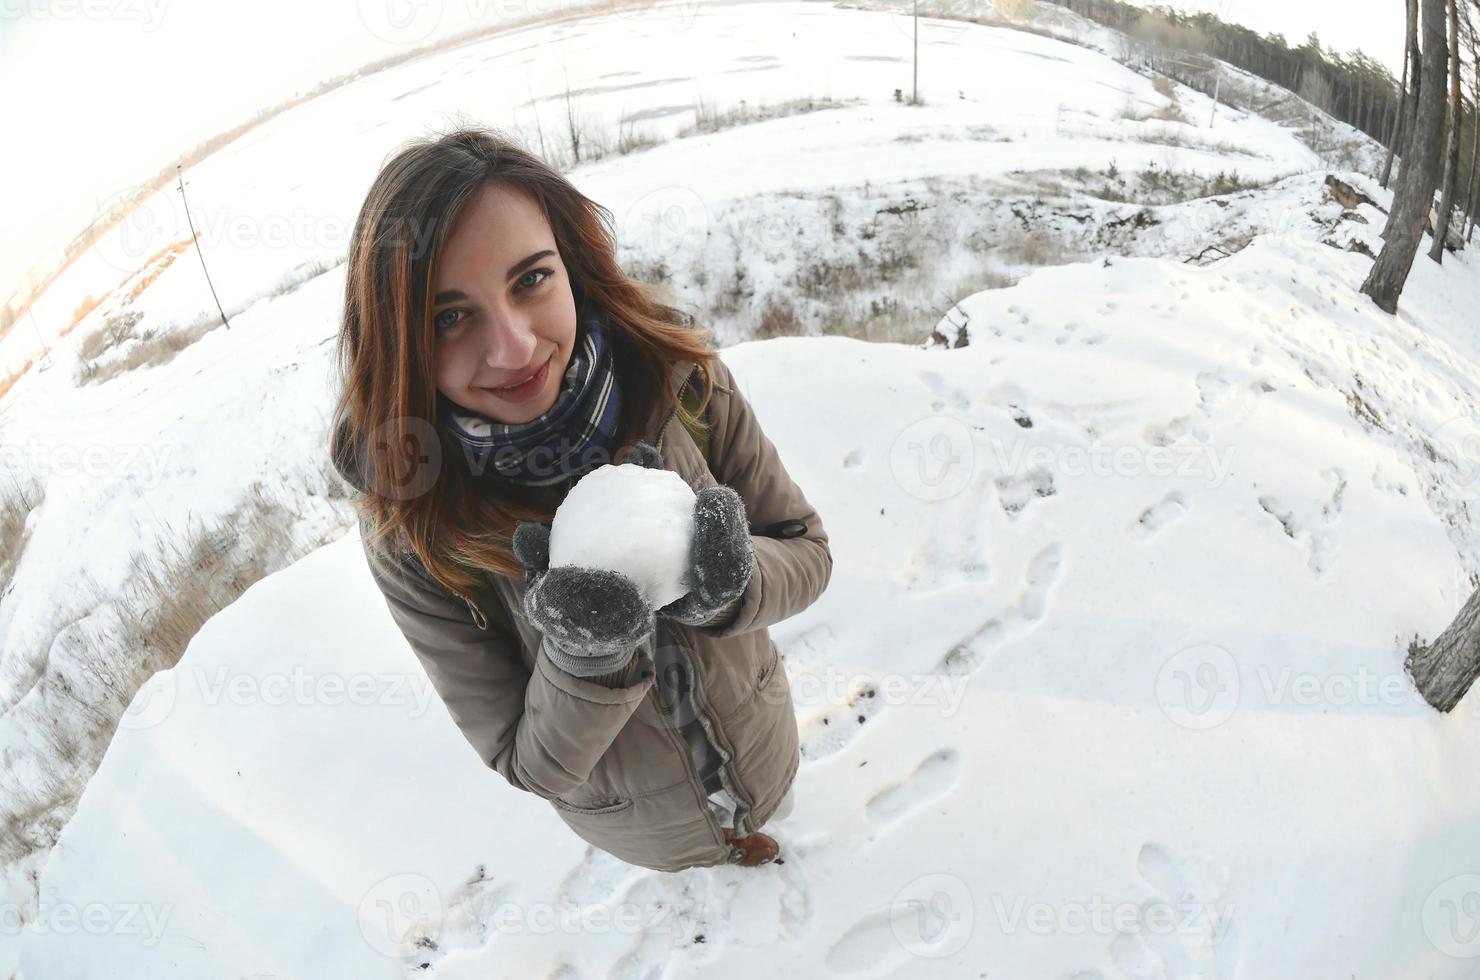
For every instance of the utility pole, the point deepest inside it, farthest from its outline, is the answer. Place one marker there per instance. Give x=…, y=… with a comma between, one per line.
x=1217, y=87
x=915, y=93
x=200, y=255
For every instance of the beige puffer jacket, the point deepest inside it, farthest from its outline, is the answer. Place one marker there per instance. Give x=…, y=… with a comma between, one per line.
x=613, y=761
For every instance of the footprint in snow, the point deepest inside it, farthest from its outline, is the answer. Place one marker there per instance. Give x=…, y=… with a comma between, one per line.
x=935, y=774
x=1160, y=514
x=969, y=653
x=466, y=922
x=839, y=724
x=1182, y=928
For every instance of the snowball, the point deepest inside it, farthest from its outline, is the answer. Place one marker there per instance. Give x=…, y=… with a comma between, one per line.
x=631, y=519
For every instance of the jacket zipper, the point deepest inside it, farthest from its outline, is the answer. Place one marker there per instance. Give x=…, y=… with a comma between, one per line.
x=663, y=428
x=479, y=620
x=727, y=776
x=681, y=746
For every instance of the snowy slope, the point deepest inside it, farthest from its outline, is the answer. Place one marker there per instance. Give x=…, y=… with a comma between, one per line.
x=1127, y=558
x=1072, y=673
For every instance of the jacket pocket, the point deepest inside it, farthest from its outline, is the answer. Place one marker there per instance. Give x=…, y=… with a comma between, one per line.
x=768, y=668
x=614, y=804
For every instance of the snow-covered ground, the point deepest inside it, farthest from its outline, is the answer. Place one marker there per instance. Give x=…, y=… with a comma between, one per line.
x=1107, y=683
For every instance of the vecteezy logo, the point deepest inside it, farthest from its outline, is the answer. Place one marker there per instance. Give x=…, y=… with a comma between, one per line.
x=670, y=223
x=1451, y=916
x=399, y=910
x=152, y=703
x=933, y=915
x=1198, y=687
x=1457, y=441
x=415, y=454
x=400, y=21
x=933, y=458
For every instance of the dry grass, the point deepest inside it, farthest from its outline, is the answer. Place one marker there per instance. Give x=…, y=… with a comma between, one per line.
x=17, y=501
x=157, y=263
x=117, y=348
x=96, y=665
x=708, y=119
x=1036, y=250
x=778, y=319
x=1170, y=112
x=88, y=304
x=171, y=598
x=302, y=274
x=8, y=382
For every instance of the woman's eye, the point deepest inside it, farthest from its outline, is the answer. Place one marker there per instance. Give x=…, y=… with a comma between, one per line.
x=545, y=273
x=445, y=324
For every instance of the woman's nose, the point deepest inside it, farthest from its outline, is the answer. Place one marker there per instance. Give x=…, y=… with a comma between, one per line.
x=509, y=345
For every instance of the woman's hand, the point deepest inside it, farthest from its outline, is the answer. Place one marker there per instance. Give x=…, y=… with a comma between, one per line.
x=592, y=618
x=721, y=557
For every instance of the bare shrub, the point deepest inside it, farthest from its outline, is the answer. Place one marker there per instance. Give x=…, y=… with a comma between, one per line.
x=17, y=501
x=302, y=274
x=778, y=319
x=116, y=328
x=127, y=351
x=1036, y=250
x=709, y=119
x=629, y=140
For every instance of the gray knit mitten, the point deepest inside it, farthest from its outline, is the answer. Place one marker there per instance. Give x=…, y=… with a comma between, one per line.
x=592, y=618
x=721, y=559
x=721, y=552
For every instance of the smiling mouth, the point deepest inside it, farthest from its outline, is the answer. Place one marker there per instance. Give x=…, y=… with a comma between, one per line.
x=522, y=381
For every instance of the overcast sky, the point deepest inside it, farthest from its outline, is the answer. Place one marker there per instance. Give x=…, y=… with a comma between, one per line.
x=100, y=94
x=1375, y=26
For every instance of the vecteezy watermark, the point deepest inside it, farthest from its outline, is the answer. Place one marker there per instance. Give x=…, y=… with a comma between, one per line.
x=1451, y=916
x=401, y=21
x=1198, y=686
x=933, y=916
x=933, y=458
x=141, y=463
x=156, y=697
x=1457, y=441
x=410, y=22
x=623, y=918
x=1203, y=921
x=303, y=688
x=940, y=693
x=148, y=14
x=1201, y=686
x=565, y=457
x=153, y=701
x=1192, y=461
x=400, y=912
x=671, y=223
x=412, y=450
x=142, y=919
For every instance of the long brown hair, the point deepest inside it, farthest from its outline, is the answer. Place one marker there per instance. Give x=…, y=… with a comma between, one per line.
x=415, y=492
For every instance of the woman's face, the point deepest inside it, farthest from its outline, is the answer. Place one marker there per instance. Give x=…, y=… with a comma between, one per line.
x=502, y=308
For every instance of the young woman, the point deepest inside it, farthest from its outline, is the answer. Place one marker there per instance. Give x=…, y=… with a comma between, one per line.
x=492, y=352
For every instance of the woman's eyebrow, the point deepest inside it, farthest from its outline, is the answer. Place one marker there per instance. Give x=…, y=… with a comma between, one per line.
x=452, y=295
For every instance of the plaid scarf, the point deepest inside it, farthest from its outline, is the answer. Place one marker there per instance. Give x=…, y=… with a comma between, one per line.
x=577, y=434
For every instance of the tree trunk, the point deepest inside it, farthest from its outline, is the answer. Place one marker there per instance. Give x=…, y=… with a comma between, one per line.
x=1451, y=157
x=1444, y=670
x=1415, y=191
x=1474, y=45
x=1400, y=127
